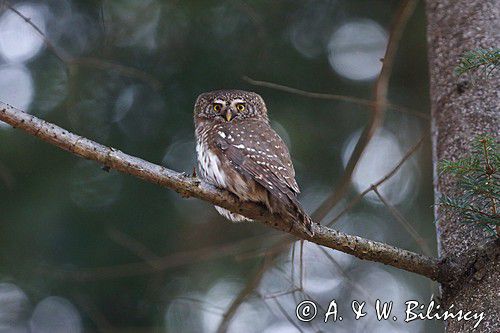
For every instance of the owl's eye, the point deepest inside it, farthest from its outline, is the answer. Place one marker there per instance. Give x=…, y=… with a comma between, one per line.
x=240, y=107
x=217, y=107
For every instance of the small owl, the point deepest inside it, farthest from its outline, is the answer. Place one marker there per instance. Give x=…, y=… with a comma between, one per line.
x=239, y=151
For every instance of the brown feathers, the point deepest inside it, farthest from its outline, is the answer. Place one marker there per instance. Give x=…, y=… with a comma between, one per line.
x=245, y=155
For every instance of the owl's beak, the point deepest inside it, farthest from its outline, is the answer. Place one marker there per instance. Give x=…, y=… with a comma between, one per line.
x=229, y=114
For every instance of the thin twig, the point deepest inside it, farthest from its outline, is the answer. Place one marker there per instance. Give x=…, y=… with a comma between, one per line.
x=89, y=62
x=249, y=288
x=203, y=304
x=94, y=313
x=382, y=180
x=366, y=294
x=407, y=225
x=381, y=87
x=392, y=43
x=155, y=265
x=333, y=97
x=136, y=247
x=282, y=293
x=189, y=186
x=284, y=242
x=120, y=69
x=286, y=315
x=48, y=43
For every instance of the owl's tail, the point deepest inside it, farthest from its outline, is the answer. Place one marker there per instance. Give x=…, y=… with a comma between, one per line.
x=299, y=216
x=293, y=212
x=305, y=220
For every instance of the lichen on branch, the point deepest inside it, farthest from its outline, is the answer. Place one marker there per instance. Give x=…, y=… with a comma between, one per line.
x=189, y=186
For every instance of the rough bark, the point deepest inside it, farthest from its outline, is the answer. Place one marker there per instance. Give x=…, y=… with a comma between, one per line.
x=190, y=186
x=460, y=111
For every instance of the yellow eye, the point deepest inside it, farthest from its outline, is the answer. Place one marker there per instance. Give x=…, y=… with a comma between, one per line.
x=217, y=107
x=240, y=107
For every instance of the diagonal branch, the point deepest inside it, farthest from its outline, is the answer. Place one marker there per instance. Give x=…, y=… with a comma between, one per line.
x=189, y=186
x=380, y=93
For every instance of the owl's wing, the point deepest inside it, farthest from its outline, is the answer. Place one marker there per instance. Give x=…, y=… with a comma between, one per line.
x=257, y=150
x=272, y=142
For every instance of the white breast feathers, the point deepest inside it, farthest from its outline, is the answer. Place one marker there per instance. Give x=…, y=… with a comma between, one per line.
x=210, y=166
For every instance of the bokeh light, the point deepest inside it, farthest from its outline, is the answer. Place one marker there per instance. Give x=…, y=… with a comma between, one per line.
x=187, y=306
x=16, y=87
x=392, y=289
x=19, y=42
x=320, y=276
x=179, y=155
x=14, y=308
x=311, y=26
x=130, y=73
x=380, y=156
x=356, y=48
x=55, y=314
x=140, y=111
x=221, y=294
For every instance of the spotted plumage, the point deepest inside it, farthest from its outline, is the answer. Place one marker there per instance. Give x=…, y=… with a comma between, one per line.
x=238, y=151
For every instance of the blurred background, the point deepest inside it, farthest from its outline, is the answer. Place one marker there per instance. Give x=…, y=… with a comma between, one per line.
x=82, y=249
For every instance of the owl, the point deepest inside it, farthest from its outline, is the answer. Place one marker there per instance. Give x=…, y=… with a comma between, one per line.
x=238, y=151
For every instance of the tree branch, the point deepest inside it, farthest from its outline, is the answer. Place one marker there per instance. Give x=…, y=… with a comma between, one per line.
x=189, y=186
x=401, y=18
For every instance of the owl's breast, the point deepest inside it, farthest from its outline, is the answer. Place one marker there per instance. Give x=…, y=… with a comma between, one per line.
x=210, y=166
x=216, y=170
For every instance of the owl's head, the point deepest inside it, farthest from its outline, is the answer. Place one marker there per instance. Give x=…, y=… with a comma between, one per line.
x=229, y=105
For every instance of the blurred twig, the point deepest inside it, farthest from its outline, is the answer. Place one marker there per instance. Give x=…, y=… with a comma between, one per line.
x=96, y=316
x=404, y=222
x=381, y=87
x=249, y=288
x=189, y=186
x=50, y=46
x=120, y=69
x=204, y=305
x=68, y=60
x=257, y=21
x=286, y=315
x=382, y=180
x=368, y=297
x=155, y=265
x=135, y=247
x=380, y=91
x=333, y=97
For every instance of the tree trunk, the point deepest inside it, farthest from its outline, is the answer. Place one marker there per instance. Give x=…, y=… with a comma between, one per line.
x=460, y=111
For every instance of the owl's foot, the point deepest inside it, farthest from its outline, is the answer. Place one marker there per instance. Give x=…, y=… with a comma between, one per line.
x=232, y=216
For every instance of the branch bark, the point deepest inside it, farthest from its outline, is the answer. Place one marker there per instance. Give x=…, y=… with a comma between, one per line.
x=189, y=186
x=462, y=110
